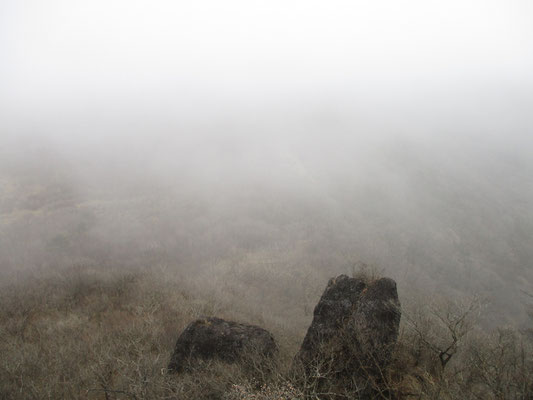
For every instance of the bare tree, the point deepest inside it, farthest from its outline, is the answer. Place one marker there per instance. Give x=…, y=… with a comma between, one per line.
x=441, y=328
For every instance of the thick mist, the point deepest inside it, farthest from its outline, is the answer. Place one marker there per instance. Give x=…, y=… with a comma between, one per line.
x=302, y=136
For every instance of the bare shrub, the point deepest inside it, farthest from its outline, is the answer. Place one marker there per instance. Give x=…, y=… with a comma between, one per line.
x=107, y=334
x=368, y=273
x=441, y=327
x=500, y=366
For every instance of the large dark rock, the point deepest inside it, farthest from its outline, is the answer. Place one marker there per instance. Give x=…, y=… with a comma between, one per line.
x=334, y=309
x=354, y=329
x=217, y=339
x=376, y=321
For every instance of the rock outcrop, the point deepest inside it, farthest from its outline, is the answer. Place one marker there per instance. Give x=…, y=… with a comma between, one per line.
x=217, y=339
x=354, y=329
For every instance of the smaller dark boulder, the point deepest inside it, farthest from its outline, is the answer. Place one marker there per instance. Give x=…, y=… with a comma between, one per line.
x=217, y=339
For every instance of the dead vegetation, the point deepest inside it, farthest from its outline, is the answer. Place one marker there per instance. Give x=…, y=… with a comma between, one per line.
x=88, y=333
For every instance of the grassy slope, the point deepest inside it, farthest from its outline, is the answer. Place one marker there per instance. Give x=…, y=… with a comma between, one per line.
x=97, y=284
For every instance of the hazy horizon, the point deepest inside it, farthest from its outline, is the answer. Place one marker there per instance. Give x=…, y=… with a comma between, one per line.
x=398, y=134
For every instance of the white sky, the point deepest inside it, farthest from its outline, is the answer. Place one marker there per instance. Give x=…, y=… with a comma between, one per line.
x=57, y=53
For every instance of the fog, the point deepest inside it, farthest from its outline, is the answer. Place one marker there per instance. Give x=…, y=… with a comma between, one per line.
x=313, y=135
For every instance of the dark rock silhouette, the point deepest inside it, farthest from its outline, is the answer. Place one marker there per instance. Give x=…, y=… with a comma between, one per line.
x=217, y=339
x=376, y=321
x=354, y=329
x=334, y=309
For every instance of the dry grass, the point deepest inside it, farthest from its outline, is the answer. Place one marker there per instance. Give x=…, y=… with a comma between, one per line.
x=89, y=333
x=100, y=334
